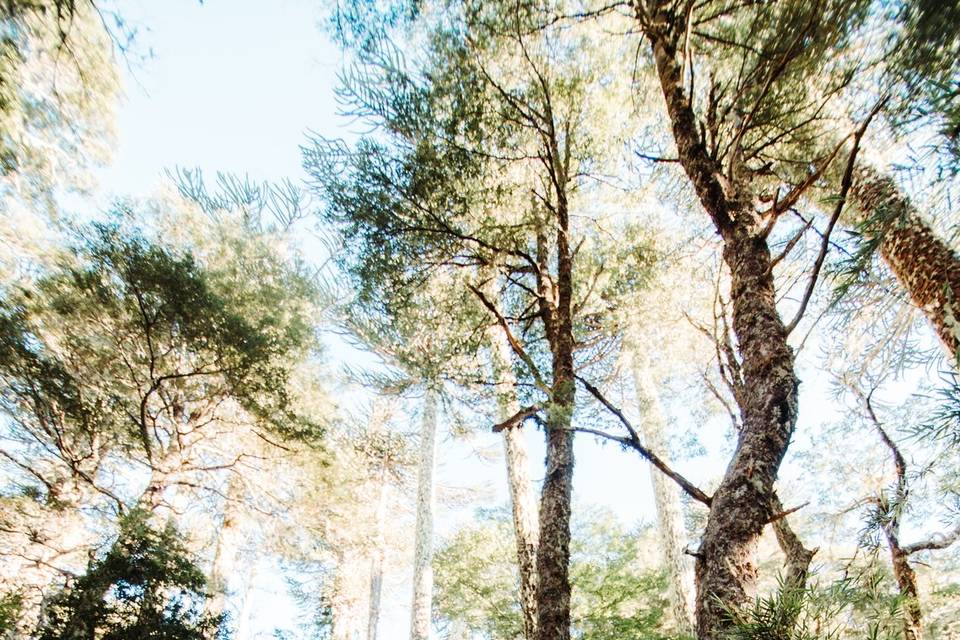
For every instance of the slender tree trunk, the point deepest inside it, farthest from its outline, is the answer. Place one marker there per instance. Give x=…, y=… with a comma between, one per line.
x=227, y=544
x=890, y=514
x=346, y=599
x=553, y=552
x=376, y=560
x=673, y=537
x=420, y=611
x=906, y=579
x=925, y=265
x=522, y=499
x=742, y=505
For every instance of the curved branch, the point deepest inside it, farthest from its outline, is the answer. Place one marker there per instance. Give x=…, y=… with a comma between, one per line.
x=633, y=441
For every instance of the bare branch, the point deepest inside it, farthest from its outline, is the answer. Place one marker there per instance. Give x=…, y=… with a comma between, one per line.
x=633, y=441
x=517, y=418
x=825, y=244
x=514, y=343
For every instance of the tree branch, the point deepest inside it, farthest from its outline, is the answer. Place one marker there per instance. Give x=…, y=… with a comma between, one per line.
x=633, y=441
x=514, y=343
x=825, y=244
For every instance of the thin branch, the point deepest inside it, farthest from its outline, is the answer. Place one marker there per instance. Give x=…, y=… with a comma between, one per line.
x=936, y=541
x=514, y=343
x=825, y=244
x=518, y=418
x=633, y=441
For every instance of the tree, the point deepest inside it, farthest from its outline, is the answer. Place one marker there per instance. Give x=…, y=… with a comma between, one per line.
x=146, y=585
x=130, y=360
x=729, y=142
x=58, y=88
x=420, y=610
x=485, y=156
x=923, y=263
x=522, y=500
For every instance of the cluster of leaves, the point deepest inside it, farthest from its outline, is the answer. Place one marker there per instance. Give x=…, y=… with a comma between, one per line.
x=126, y=328
x=58, y=87
x=10, y=607
x=857, y=604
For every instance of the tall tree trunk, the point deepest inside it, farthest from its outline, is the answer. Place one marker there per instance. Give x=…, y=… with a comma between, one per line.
x=925, y=265
x=522, y=499
x=420, y=611
x=742, y=505
x=553, y=550
x=376, y=560
x=226, y=548
x=673, y=537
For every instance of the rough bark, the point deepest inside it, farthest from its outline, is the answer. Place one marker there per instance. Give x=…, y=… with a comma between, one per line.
x=924, y=264
x=741, y=506
x=421, y=608
x=553, y=551
x=906, y=579
x=673, y=538
x=797, y=557
x=522, y=499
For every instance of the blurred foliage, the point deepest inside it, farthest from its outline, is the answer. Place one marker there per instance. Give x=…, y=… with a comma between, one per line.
x=145, y=586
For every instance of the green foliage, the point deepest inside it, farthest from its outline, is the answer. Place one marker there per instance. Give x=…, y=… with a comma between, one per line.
x=614, y=594
x=861, y=605
x=475, y=579
x=765, y=73
x=943, y=423
x=58, y=88
x=145, y=586
x=792, y=614
x=10, y=606
x=127, y=341
x=923, y=68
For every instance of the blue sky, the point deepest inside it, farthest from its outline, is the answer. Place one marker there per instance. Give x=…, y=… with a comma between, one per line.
x=231, y=85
